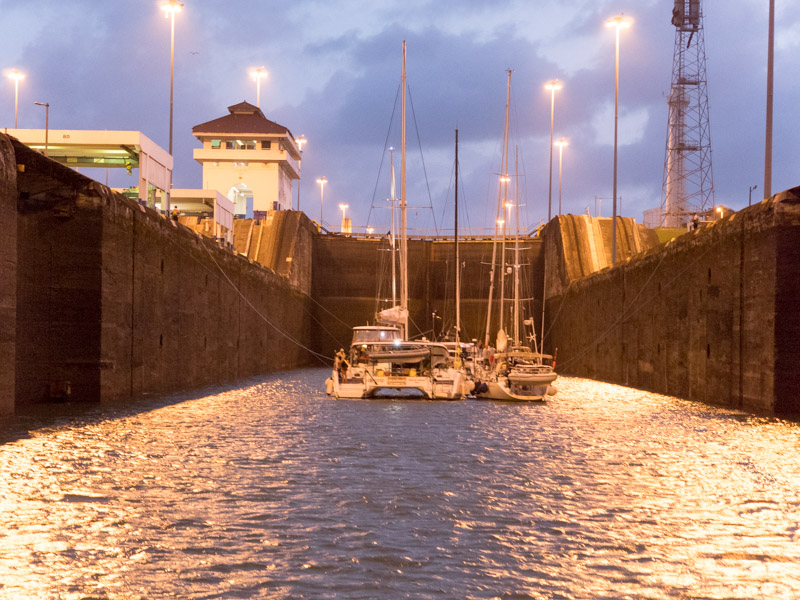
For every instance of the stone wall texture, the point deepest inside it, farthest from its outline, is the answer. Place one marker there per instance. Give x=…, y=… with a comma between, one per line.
x=8, y=275
x=104, y=300
x=352, y=281
x=112, y=301
x=710, y=316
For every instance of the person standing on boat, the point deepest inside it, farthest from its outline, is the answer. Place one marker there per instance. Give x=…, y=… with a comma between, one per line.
x=340, y=364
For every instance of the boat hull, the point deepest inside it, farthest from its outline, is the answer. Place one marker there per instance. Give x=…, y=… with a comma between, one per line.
x=451, y=385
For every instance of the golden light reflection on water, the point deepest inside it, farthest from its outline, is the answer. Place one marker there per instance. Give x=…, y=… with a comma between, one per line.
x=275, y=490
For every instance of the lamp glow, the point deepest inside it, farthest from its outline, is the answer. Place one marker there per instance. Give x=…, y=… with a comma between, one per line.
x=16, y=76
x=257, y=75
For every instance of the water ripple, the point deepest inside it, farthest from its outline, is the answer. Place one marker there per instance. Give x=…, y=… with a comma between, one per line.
x=274, y=490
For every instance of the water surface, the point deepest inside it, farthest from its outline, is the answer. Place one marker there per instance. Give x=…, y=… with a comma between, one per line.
x=274, y=490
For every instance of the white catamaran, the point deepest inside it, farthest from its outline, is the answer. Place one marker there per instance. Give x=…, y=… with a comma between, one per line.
x=382, y=361
x=514, y=372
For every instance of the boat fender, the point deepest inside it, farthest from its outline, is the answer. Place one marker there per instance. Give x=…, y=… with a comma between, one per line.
x=551, y=390
x=481, y=387
x=329, y=386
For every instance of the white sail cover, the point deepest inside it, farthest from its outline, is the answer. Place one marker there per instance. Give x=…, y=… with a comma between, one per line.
x=395, y=314
x=502, y=341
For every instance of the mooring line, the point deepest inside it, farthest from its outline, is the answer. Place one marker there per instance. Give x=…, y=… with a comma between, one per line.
x=296, y=342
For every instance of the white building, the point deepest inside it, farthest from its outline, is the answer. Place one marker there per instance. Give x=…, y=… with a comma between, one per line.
x=247, y=156
x=81, y=148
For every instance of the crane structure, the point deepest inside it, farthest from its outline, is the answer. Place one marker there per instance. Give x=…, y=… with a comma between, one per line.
x=688, y=185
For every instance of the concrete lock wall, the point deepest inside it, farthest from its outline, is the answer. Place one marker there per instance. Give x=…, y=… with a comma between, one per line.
x=351, y=274
x=113, y=301
x=711, y=316
x=101, y=299
x=8, y=275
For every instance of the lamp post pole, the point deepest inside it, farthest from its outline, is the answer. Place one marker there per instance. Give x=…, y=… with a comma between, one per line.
x=344, y=208
x=617, y=23
x=750, y=195
x=299, y=141
x=552, y=86
x=170, y=8
x=321, y=181
x=768, y=136
x=16, y=76
x=258, y=74
x=46, y=123
x=560, y=143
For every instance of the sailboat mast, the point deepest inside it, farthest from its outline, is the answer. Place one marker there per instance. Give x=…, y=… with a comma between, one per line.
x=503, y=162
x=506, y=214
x=403, y=221
x=517, y=340
x=393, y=246
x=458, y=260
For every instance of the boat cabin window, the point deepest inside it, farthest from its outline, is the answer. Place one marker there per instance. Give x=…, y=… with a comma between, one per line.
x=375, y=335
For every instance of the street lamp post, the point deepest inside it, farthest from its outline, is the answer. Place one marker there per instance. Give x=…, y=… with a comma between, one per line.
x=750, y=196
x=257, y=75
x=170, y=8
x=321, y=181
x=617, y=23
x=561, y=143
x=344, y=208
x=552, y=86
x=16, y=76
x=299, y=141
x=768, y=132
x=46, y=122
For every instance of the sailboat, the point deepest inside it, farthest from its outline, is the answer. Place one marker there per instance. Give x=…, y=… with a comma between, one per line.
x=515, y=372
x=382, y=361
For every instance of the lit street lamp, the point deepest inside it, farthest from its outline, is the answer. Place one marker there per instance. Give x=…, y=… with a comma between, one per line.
x=16, y=76
x=561, y=143
x=257, y=75
x=720, y=210
x=46, y=122
x=299, y=141
x=552, y=86
x=170, y=8
x=344, y=208
x=321, y=181
x=617, y=23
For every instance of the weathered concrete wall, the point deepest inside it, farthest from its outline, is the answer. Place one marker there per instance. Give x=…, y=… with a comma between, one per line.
x=582, y=245
x=113, y=301
x=101, y=299
x=712, y=316
x=280, y=242
x=8, y=274
x=350, y=274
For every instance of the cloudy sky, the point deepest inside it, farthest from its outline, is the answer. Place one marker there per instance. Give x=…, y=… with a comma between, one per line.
x=334, y=72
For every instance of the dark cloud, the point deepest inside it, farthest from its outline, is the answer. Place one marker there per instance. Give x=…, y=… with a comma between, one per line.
x=335, y=72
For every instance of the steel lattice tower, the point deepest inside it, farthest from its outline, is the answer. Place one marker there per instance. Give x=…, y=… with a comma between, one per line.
x=688, y=186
